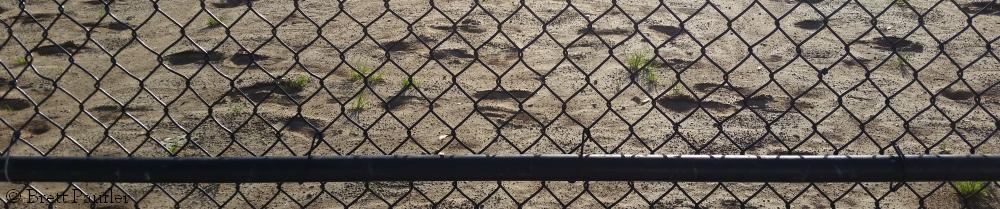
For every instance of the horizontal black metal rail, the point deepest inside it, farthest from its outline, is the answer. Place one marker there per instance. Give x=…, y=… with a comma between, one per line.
x=710, y=168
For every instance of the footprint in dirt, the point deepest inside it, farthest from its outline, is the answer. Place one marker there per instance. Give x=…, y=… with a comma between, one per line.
x=499, y=115
x=247, y=58
x=25, y=19
x=499, y=95
x=193, y=56
x=795, y=152
x=774, y=58
x=602, y=32
x=397, y=101
x=229, y=3
x=37, y=127
x=810, y=24
x=115, y=26
x=666, y=29
x=467, y=25
x=110, y=112
x=891, y=42
x=797, y=1
x=394, y=46
x=957, y=94
x=471, y=26
x=306, y=125
x=116, y=108
x=446, y=53
x=685, y=103
x=757, y=102
x=678, y=63
x=98, y=2
x=54, y=49
x=987, y=8
x=14, y=104
x=707, y=87
x=856, y=63
x=262, y=90
x=430, y=40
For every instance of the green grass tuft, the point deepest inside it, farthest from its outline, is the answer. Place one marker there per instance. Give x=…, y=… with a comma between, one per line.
x=239, y=108
x=366, y=72
x=676, y=91
x=642, y=66
x=900, y=63
x=407, y=83
x=649, y=76
x=22, y=60
x=359, y=103
x=969, y=189
x=300, y=81
x=173, y=145
x=212, y=22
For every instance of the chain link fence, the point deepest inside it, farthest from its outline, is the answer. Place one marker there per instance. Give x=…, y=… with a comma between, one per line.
x=186, y=79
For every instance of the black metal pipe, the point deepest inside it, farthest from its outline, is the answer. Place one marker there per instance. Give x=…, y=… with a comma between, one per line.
x=690, y=168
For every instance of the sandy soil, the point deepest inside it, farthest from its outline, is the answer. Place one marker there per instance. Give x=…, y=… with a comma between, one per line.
x=504, y=78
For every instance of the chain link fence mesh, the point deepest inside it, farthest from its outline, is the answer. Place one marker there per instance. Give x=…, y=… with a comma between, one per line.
x=185, y=78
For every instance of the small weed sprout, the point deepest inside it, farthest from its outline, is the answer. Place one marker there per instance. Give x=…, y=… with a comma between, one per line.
x=239, y=109
x=636, y=61
x=643, y=66
x=900, y=63
x=676, y=91
x=300, y=81
x=408, y=83
x=649, y=76
x=900, y=2
x=359, y=103
x=366, y=71
x=213, y=22
x=969, y=189
x=173, y=145
x=22, y=60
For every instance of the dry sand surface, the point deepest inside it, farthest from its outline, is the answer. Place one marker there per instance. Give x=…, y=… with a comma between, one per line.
x=284, y=78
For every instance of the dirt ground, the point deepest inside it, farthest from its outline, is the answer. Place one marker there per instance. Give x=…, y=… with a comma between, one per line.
x=327, y=78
